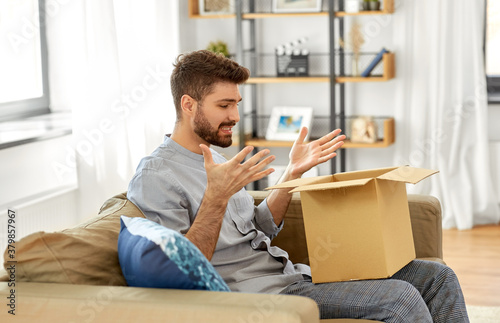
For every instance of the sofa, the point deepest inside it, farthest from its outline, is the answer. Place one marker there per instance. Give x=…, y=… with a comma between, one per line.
x=74, y=275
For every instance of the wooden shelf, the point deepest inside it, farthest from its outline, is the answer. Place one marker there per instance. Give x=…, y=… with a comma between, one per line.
x=389, y=72
x=264, y=15
x=388, y=140
x=387, y=61
x=194, y=12
x=305, y=79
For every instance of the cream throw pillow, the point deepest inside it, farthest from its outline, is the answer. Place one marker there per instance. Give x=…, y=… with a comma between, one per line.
x=86, y=254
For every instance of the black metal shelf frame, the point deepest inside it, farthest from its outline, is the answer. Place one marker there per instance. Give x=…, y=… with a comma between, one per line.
x=335, y=61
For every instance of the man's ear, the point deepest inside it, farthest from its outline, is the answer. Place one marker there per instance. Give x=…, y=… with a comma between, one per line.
x=187, y=105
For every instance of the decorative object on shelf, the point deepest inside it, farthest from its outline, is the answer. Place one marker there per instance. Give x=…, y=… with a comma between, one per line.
x=292, y=61
x=366, y=5
x=374, y=62
x=216, y=7
x=296, y=6
x=219, y=46
x=285, y=122
x=351, y=6
x=355, y=41
x=374, y=5
x=363, y=129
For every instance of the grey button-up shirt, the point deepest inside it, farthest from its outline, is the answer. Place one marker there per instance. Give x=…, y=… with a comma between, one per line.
x=169, y=186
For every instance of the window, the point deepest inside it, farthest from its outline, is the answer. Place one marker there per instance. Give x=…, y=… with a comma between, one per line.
x=23, y=50
x=492, y=50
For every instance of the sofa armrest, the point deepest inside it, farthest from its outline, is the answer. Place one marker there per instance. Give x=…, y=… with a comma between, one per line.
x=426, y=222
x=425, y=214
x=46, y=302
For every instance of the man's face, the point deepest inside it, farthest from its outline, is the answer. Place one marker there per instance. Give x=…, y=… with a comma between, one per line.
x=217, y=114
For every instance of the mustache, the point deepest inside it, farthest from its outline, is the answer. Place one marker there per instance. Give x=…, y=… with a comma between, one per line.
x=228, y=124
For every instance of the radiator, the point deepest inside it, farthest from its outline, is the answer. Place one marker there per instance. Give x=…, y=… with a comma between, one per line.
x=51, y=211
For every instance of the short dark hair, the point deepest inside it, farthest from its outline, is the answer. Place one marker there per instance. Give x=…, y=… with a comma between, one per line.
x=196, y=73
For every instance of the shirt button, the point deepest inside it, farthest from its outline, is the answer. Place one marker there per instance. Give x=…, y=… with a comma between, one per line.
x=254, y=245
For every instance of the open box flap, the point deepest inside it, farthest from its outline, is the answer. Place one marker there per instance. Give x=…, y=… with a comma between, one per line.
x=408, y=174
x=332, y=185
x=371, y=173
x=303, y=181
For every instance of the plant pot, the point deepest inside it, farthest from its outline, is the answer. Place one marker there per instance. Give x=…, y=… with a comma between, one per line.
x=374, y=5
x=366, y=5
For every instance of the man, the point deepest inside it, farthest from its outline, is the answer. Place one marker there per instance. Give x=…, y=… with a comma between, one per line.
x=188, y=187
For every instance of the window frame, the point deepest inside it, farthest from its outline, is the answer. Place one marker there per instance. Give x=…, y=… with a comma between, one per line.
x=492, y=81
x=493, y=86
x=33, y=106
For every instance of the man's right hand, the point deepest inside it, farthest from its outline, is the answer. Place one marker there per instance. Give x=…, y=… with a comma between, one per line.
x=226, y=179
x=223, y=181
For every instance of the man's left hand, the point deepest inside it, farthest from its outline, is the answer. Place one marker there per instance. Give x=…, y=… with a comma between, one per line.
x=306, y=155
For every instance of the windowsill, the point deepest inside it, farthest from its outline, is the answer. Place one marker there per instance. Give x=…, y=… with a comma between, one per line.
x=494, y=99
x=32, y=129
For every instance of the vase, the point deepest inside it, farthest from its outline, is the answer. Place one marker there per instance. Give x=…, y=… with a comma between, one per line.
x=355, y=66
x=374, y=5
x=366, y=5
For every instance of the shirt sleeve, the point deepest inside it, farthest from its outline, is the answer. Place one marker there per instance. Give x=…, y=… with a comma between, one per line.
x=264, y=220
x=160, y=199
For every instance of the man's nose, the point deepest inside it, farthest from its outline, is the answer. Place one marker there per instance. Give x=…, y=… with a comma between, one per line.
x=235, y=114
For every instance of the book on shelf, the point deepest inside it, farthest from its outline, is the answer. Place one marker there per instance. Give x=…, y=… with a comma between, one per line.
x=374, y=63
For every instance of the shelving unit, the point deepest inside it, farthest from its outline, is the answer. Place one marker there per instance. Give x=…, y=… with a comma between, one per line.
x=194, y=12
x=336, y=75
x=387, y=140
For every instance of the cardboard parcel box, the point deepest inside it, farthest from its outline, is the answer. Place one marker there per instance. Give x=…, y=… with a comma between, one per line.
x=357, y=223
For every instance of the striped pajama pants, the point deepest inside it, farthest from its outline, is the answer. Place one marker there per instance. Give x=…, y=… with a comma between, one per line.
x=422, y=291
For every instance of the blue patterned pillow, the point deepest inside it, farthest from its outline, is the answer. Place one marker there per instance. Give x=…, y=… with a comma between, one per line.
x=152, y=255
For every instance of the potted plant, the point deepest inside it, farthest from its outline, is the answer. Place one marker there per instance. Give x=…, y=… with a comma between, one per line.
x=374, y=5
x=218, y=47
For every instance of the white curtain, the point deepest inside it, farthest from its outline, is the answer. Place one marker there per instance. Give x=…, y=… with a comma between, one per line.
x=441, y=106
x=110, y=64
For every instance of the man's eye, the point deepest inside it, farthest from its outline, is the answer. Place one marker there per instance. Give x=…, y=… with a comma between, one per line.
x=224, y=106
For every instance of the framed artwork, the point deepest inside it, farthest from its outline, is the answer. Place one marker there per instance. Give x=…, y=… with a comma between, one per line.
x=297, y=5
x=285, y=122
x=216, y=7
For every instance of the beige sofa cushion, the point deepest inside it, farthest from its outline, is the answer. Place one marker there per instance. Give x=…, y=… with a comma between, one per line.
x=41, y=302
x=86, y=254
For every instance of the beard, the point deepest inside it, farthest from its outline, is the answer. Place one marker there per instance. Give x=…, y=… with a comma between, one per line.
x=205, y=131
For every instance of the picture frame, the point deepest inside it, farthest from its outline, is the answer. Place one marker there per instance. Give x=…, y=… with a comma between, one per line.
x=216, y=7
x=280, y=6
x=285, y=122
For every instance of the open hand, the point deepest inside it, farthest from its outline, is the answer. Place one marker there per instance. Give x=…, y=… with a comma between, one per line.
x=226, y=179
x=305, y=156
